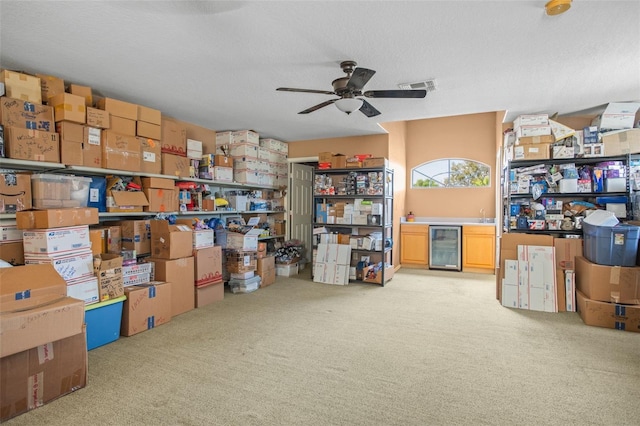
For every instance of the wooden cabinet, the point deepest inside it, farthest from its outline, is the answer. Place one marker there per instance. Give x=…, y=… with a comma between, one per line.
x=414, y=245
x=478, y=249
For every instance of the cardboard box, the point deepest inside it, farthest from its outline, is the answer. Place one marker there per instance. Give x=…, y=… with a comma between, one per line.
x=531, y=140
x=608, y=315
x=15, y=192
x=126, y=201
x=148, y=130
x=85, y=289
x=532, y=152
x=12, y=252
x=136, y=235
x=179, y=272
x=194, y=149
x=111, y=238
x=117, y=108
x=567, y=250
x=622, y=142
x=170, y=241
x=26, y=115
x=38, y=375
x=123, y=126
x=71, y=142
x=208, y=266
x=25, y=287
x=21, y=86
x=120, y=152
x=83, y=91
x=69, y=107
x=49, y=241
x=175, y=165
x=57, y=218
x=151, y=158
x=244, y=242
x=98, y=243
x=174, y=137
x=149, y=115
x=266, y=270
x=98, y=118
x=50, y=86
x=371, y=276
x=34, y=145
x=147, y=306
x=162, y=199
x=325, y=157
x=209, y=294
x=617, y=284
x=70, y=266
x=92, y=147
x=108, y=269
x=375, y=162
x=339, y=161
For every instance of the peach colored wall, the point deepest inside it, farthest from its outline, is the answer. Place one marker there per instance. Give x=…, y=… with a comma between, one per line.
x=467, y=136
x=376, y=145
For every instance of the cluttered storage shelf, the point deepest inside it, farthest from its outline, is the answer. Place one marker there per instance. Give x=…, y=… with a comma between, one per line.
x=353, y=225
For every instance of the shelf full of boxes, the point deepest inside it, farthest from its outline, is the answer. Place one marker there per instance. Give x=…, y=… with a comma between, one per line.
x=83, y=181
x=353, y=222
x=571, y=232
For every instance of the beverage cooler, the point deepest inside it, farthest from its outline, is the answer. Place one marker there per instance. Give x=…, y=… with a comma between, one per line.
x=445, y=247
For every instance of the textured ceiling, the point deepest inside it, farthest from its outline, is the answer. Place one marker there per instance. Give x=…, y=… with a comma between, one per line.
x=217, y=64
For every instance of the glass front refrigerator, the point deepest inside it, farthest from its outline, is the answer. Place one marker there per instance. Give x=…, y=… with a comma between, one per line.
x=445, y=247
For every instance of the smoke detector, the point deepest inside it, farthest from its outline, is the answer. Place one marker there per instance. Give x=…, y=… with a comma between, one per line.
x=428, y=85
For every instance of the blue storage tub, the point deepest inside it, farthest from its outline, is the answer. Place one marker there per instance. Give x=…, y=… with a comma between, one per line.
x=103, y=322
x=611, y=245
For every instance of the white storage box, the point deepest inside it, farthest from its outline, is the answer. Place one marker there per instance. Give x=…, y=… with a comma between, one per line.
x=245, y=286
x=203, y=238
x=70, y=266
x=288, y=270
x=10, y=233
x=56, y=240
x=245, y=136
x=85, y=288
x=221, y=173
x=241, y=150
x=615, y=185
x=568, y=185
x=531, y=120
x=538, y=130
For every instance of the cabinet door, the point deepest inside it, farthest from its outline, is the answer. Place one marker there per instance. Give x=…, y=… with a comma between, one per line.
x=414, y=245
x=478, y=247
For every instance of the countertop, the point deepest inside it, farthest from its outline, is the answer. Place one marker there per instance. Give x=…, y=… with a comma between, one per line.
x=451, y=221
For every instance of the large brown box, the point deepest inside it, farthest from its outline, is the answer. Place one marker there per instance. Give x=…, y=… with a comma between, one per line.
x=607, y=314
x=71, y=143
x=50, y=86
x=179, y=272
x=566, y=251
x=266, y=270
x=122, y=125
x=147, y=306
x=84, y=91
x=98, y=118
x=111, y=238
x=35, y=145
x=170, y=241
x=108, y=269
x=161, y=193
x=57, y=218
x=208, y=266
x=174, y=137
x=12, y=252
x=26, y=115
x=22, y=86
x=136, y=235
x=622, y=143
x=118, y=108
x=38, y=375
x=150, y=158
x=209, y=294
x=126, y=201
x=68, y=107
x=375, y=162
x=175, y=165
x=618, y=284
x=148, y=130
x=92, y=147
x=15, y=192
x=339, y=161
x=120, y=152
x=149, y=115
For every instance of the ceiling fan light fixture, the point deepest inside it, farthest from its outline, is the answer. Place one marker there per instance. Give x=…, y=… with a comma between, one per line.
x=557, y=7
x=348, y=105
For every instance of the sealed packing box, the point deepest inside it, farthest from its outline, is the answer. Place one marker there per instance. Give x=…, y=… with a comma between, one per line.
x=147, y=306
x=26, y=115
x=170, y=241
x=10, y=233
x=175, y=165
x=239, y=262
x=83, y=91
x=618, y=284
x=539, y=151
x=98, y=118
x=209, y=294
x=608, y=315
x=120, y=152
x=180, y=273
x=267, y=270
x=123, y=126
x=92, y=147
x=71, y=143
x=148, y=130
x=151, y=158
x=34, y=145
x=12, y=252
x=38, y=375
x=111, y=237
x=161, y=194
x=25, y=287
x=108, y=269
x=15, y=192
x=194, y=149
x=56, y=218
x=126, y=201
x=117, y=108
x=136, y=235
x=50, y=86
x=174, y=137
x=85, y=289
x=69, y=107
x=21, y=86
x=51, y=241
x=149, y=115
x=208, y=266
x=70, y=266
x=245, y=136
x=375, y=162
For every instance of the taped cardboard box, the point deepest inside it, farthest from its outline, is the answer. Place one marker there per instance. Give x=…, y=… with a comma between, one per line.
x=149, y=115
x=120, y=152
x=69, y=107
x=147, y=306
x=608, y=315
x=15, y=192
x=174, y=137
x=57, y=218
x=50, y=86
x=136, y=235
x=151, y=158
x=34, y=145
x=170, y=241
x=92, y=147
x=83, y=91
x=123, y=126
x=22, y=86
x=117, y=108
x=39, y=375
x=208, y=266
x=108, y=269
x=12, y=252
x=617, y=284
x=26, y=115
x=71, y=143
x=179, y=272
x=98, y=118
x=209, y=294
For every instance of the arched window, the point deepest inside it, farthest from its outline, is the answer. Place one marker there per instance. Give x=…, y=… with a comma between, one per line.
x=451, y=173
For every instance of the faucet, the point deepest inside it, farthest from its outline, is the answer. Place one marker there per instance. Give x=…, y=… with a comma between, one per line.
x=484, y=219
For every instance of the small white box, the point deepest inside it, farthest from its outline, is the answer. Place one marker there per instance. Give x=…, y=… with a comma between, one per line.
x=136, y=279
x=138, y=268
x=244, y=242
x=618, y=209
x=239, y=202
x=288, y=270
x=56, y=240
x=568, y=185
x=194, y=149
x=85, y=288
x=539, y=130
x=221, y=173
x=223, y=138
x=531, y=120
x=70, y=266
x=203, y=238
x=245, y=136
x=615, y=184
x=10, y=233
x=562, y=151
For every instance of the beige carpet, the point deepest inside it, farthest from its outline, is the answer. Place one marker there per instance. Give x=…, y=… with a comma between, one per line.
x=430, y=348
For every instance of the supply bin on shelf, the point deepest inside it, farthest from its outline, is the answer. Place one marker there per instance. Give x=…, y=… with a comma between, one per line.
x=611, y=245
x=103, y=322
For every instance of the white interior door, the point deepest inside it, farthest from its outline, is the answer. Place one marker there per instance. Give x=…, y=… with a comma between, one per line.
x=301, y=204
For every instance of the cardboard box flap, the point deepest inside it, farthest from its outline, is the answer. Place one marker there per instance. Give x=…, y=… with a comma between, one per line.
x=164, y=226
x=26, y=287
x=129, y=198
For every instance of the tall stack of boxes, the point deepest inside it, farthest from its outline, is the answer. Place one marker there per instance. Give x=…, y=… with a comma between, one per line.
x=266, y=266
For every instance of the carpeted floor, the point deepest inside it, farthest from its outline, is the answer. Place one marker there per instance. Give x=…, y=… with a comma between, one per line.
x=430, y=348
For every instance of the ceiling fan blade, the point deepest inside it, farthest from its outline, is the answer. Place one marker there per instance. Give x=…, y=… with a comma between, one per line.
x=359, y=78
x=368, y=109
x=289, y=89
x=317, y=107
x=395, y=93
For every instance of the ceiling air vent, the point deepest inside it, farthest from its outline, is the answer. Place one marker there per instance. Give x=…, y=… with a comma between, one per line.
x=428, y=85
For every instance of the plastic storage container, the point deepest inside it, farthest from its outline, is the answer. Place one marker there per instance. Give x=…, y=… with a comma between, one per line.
x=58, y=191
x=103, y=322
x=245, y=286
x=611, y=245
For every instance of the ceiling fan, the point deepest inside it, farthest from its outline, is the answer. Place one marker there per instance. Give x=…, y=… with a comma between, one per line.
x=349, y=90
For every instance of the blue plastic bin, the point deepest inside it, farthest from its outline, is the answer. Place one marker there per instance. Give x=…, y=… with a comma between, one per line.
x=611, y=245
x=103, y=322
